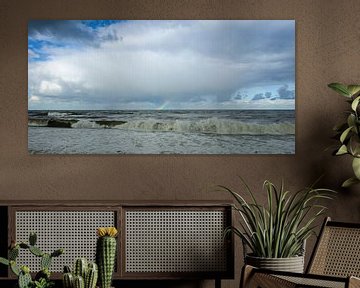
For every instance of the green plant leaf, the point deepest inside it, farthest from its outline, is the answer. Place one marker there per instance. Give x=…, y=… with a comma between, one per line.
x=353, y=89
x=355, y=103
x=354, y=145
x=345, y=134
x=356, y=167
x=342, y=150
x=351, y=120
x=349, y=182
x=340, y=88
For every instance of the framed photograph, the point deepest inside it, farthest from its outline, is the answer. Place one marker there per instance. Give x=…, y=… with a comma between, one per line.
x=161, y=87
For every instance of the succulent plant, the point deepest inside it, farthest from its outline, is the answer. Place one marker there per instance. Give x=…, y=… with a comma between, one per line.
x=106, y=254
x=85, y=275
x=42, y=278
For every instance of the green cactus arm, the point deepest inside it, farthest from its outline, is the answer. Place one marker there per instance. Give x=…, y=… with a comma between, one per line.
x=14, y=268
x=24, y=245
x=67, y=269
x=45, y=261
x=24, y=280
x=57, y=252
x=79, y=282
x=4, y=261
x=91, y=275
x=81, y=265
x=32, y=238
x=13, y=253
x=68, y=280
x=36, y=251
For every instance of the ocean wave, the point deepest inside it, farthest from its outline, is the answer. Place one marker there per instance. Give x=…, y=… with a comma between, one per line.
x=211, y=126
x=206, y=126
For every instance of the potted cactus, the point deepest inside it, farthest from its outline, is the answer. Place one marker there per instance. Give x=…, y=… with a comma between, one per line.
x=84, y=275
x=42, y=278
x=106, y=254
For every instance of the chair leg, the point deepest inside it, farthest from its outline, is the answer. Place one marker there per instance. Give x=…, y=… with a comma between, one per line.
x=246, y=274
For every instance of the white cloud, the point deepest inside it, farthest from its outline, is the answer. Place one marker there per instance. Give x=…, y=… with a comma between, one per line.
x=50, y=88
x=186, y=63
x=34, y=98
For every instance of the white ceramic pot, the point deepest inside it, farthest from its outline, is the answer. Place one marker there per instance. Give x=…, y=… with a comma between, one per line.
x=291, y=264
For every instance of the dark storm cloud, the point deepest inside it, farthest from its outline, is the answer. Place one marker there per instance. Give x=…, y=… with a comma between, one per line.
x=285, y=93
x=258, y=96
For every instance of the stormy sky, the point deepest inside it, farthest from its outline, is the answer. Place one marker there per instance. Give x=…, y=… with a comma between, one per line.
x=148, y=64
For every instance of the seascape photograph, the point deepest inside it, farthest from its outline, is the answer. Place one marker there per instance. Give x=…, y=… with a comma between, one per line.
x=161, y=87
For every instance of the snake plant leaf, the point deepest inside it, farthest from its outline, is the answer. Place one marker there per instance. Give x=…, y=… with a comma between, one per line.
x=355, y=103
x=349, y=182
x=342, y=150
x=353, y=89
x=345, y=134
x=340, y=88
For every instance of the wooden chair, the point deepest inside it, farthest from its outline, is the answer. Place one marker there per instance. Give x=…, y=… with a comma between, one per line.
x=334, y=263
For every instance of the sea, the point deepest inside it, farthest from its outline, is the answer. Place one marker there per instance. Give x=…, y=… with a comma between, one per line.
x=161, y=132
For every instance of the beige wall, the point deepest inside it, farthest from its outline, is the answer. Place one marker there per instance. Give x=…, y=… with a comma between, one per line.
x=327, y=50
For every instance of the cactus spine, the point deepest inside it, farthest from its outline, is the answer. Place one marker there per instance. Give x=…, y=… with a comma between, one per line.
x=106, y=254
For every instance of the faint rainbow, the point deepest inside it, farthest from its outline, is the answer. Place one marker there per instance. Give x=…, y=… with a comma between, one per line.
x=163, y=106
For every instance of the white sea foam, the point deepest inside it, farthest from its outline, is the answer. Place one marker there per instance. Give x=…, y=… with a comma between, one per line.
x=86, y=124
x=210, y=126
x=37, y=123
x=56, y=114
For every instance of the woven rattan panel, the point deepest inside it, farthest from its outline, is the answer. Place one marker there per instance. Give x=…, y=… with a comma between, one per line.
x=311, y=282
x=175, y=241
x=75, y=231
x=338, y=253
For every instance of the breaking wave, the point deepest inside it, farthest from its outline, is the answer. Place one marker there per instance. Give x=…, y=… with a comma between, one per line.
x=206, y=126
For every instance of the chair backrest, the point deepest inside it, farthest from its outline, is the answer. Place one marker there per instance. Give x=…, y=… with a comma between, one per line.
x=337, y=251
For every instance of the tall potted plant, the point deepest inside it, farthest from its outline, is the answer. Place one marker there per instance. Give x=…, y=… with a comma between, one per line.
x=348, y=132
x=275, y=233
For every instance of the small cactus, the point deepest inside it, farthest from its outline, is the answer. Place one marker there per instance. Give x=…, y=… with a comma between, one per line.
x=79, y=282
x=91, y=276
x=67, y=278
x=80, y=268
x=106, y=254
x=89, y=272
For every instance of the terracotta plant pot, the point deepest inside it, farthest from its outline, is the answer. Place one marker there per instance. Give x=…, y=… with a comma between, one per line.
x=291, y=264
